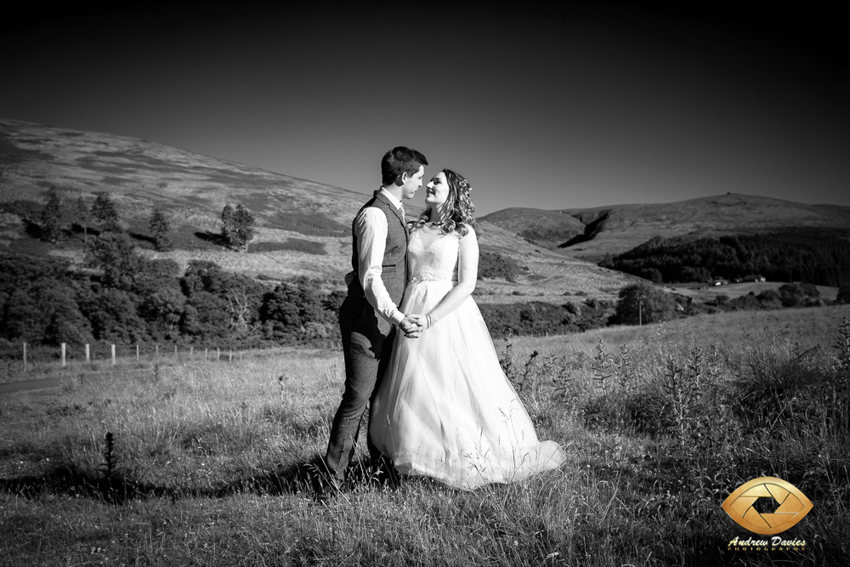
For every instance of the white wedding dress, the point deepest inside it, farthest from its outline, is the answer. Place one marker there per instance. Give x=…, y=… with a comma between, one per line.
x=445, y=408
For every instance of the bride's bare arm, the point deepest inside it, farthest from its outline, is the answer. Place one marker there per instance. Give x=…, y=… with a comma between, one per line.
x=467, y=276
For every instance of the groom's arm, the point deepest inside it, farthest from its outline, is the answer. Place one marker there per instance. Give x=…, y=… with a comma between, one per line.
x=371, y=228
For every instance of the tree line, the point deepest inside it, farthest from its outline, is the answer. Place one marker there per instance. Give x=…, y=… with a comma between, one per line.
x=137, y=300
x=127, y=299
x=809, y=255
x=121, y=297
x=124, y=298
x=644, y=303
x=237, y=223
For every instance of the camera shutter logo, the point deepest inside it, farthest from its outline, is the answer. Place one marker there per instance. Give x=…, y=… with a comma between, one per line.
x=792, y=505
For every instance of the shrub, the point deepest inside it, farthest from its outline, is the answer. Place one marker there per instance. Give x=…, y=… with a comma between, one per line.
x=770, y=297
x=652, y=274
x=641, y=303
x=796, y=294
x=843, y=293
x=492, y=265
x=540, y=318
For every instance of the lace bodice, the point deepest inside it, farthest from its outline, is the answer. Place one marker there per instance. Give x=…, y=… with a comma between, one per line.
x=432, y=255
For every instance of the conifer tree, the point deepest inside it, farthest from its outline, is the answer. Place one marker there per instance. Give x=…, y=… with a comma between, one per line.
x=103, y=210
x=227, y=223
x=81, y=211
x=160, y=228
x=51, y=217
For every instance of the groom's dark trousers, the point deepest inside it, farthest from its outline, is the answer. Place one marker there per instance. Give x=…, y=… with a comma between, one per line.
x=366, y=340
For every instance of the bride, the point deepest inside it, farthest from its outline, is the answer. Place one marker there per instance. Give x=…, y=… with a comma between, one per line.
x=445, y=408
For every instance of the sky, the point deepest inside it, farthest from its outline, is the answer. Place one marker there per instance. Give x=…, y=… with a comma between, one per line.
x=549, y=105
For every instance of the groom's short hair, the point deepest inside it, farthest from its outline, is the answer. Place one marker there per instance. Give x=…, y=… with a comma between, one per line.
x=400, y=160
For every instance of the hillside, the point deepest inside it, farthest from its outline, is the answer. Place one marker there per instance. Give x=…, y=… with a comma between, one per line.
x=593, y=233
x=302, y=226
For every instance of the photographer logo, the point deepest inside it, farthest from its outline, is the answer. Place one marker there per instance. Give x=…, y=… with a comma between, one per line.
x=789, y=505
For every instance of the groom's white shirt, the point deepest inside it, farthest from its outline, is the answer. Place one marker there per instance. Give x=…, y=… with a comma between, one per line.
x=371, y=228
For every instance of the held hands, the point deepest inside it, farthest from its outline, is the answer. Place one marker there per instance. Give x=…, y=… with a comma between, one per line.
x=413, y=325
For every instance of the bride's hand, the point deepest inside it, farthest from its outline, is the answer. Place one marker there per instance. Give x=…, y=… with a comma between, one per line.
x=413, y=325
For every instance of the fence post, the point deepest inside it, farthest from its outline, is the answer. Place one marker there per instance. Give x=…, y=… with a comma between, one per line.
x=63, y=354
x=157, y=352
x=231, y=356
x=217, y=354
x=192, y=353
x=205, y=353
x=176, y=356
x=88, y=353
x=113, y=355
x=137, y=352
x=25, y=357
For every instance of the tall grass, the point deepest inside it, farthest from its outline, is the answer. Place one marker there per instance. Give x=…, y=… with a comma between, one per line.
x=215, y=464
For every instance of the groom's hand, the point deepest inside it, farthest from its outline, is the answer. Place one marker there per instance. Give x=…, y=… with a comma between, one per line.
x=412, y=326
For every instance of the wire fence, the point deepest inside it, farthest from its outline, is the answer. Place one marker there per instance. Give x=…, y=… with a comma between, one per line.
x=27, y=359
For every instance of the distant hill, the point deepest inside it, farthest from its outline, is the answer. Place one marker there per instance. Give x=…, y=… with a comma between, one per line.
x=35, y=157
x=594, y=233
x=302, y=226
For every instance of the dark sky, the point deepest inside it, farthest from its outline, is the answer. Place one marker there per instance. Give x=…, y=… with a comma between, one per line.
x=548, y=105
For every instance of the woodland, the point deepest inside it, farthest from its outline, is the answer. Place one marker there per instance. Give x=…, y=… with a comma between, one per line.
x=819, y=256
x=121, y=297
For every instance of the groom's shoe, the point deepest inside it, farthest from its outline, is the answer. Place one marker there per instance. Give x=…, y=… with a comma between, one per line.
x=328, y=488
x=324, y=482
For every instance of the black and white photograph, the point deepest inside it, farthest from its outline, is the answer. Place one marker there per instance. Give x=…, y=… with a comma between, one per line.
x=427, y=283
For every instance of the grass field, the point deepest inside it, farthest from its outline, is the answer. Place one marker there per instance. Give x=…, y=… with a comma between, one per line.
x=212, y=463
x=705, y=293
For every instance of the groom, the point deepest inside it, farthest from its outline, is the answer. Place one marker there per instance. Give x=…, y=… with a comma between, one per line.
x=369, y=314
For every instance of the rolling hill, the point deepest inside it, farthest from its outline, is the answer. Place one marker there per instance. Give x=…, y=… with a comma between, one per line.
x=302, y=226
x=593, y=233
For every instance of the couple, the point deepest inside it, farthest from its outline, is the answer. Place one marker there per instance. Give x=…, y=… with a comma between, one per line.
x=416, y=346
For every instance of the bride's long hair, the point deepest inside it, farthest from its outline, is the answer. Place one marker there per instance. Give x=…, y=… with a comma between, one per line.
x=458, y=211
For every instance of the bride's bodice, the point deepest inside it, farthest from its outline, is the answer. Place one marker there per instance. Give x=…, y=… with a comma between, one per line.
x=432, y=255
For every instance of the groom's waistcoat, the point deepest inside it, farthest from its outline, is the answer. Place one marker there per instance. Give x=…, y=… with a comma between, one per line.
x=394, y=264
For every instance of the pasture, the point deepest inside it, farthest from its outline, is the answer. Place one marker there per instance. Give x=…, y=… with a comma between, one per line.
x=210, y=463
x=706, y=292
